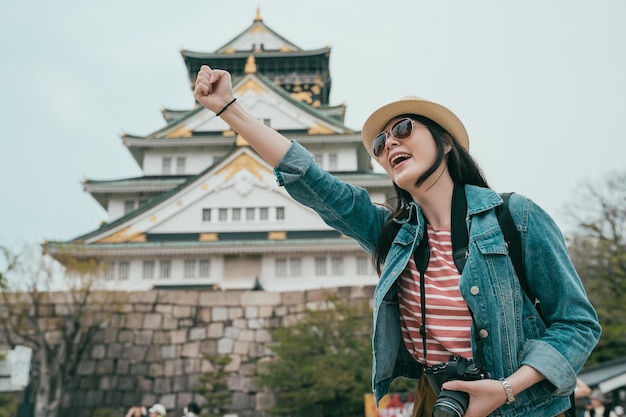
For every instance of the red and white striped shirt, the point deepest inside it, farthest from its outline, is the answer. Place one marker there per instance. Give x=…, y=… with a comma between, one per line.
x=448, y=319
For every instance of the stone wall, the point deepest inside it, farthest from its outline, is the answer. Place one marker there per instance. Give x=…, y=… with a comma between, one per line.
x=153, y=351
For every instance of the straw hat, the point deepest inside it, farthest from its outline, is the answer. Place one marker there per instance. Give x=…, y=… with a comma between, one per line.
x=413, y=105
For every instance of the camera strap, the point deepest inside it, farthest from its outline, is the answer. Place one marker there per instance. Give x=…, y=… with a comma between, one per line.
x=460, y=238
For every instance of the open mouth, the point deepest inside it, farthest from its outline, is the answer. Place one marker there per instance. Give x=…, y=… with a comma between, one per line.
x=399, y=158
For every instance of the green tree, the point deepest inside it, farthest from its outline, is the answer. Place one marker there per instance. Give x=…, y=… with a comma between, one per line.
x=322, y=364
x=213, y=386
x=56, y=311
x=598, y=250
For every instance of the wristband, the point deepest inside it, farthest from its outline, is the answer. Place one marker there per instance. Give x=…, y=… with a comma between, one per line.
x=510, y=398
x=225, y=107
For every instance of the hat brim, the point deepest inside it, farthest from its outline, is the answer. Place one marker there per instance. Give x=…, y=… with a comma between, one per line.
x=418, y=106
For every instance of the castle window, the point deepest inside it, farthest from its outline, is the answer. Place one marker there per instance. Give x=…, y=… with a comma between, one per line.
x=236, y=214
x=320, y=266
x=109, y=271
x=363, y=266
x=180, y=165
x=281, y=267
x=204, y=268
x=250, y=213
x=148, y=270
x=332, y=161
x=206, y=215
x=165, y=269
x=129, y=205
x=166, y=166
x=280, y=213
x=336, y=265
x=267, y=122
x=223, y=214
x=190, y=268
x=264, y=213
x=295, y=267
x=123, y=269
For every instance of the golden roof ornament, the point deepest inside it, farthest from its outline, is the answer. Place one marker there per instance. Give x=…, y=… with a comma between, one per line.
x=258, y=15
x=250, y=65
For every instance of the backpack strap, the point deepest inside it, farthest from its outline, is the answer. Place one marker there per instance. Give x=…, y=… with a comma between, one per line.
x=514, y=242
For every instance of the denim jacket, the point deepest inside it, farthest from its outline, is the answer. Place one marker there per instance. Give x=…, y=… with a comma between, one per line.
x=505, y=321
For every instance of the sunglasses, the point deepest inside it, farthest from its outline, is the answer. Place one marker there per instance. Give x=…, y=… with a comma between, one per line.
x=402, y=129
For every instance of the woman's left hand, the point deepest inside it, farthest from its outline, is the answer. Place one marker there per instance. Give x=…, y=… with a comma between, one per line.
x=486, y=395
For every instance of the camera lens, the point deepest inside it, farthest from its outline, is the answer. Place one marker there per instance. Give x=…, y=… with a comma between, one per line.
x=451, y=404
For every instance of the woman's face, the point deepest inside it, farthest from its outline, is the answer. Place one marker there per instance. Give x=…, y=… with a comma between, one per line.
x=405, y=160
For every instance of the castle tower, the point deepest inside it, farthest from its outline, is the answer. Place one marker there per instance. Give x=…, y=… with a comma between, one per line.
x=207, y=212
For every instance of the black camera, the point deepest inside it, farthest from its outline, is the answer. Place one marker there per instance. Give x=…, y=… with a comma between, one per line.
x=452, y=403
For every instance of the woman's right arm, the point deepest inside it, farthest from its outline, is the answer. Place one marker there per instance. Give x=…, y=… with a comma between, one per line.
x=214, y=90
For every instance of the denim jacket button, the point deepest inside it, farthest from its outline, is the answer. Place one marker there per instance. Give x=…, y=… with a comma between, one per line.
x=474, y=290
x=483, y=333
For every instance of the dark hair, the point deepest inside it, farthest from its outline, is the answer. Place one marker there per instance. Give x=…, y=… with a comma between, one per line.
x=193, y=407
x=463, y=170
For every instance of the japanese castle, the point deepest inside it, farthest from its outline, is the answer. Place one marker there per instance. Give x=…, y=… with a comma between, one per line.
x=207, y=212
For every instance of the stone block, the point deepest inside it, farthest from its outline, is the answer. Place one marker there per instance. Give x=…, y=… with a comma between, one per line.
x=264, y=400
x=219, y=313
x=179, y=336
x=122, y=367
x=204, y=314
x=53, y=337
x=144, y=337
x=180, y=312
x=235, y=313
x=208, y=347
x=161, y=337
x=247, y=335
x=139, y=369
x=170, y=323
x=98, y=351
x=165, y=309
x=234, y=365
x=231, y=332
x=126, y=383
x=126, y=336
x=169, y=401
x=162, y=386
x=152, y=321
x=240, y=348
x=108, y=382
x=225, y=346
x=146, y=297
x=153, y=354
x=197, y=333
x=104, y=367
x=174, y=367
x=252, y=312
x=179, y=384
x=169, y=351
x=156, y=369
x=240, y=323
x=134, y=321
x=291, y=298
x=86, y=367
x=193, y=365
x=220, y=298
x=190, y=350
x=262, y=336
x=255, y=324
x=266, y=312
x=260, y=298
x=242, y=401
x=178, y=297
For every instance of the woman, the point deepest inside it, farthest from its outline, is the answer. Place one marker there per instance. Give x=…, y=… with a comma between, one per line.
x=137, y=411
x=484, y=315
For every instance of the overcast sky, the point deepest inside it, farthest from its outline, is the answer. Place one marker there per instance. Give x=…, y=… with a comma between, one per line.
x=539, y=85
